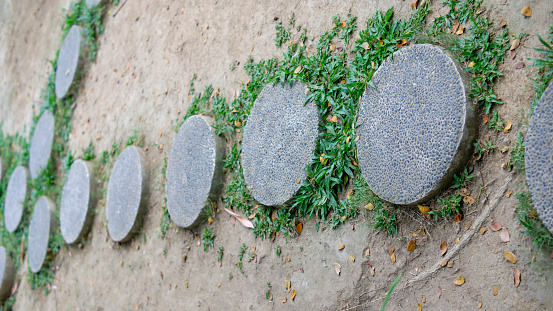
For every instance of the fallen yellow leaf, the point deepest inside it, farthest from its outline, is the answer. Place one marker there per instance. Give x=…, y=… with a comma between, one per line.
x=352, y=258
x=471, y=64
x=423, y=298
x=495, y=290
x=508, y=126
x=443, y=263
x=510, y=257
x=457, y=240
x=283, y=300
x=419, y=308
x=341, y=247
x=508, y=194
x=299, y=227
x=210, y=220
x=459, y=281
x=332, y=47
x=424, y=210
x=393, y=258
x=483, y=230
x=460, y=31
x=526, y=11
x=237, y=123
x=293, y=295
x=515, y=44
x=516, y=276
x=367, y=252
x=411, y=247
x=369, y=206
x=469, y=200
x=443, y=248
x=298, y=69
x=467, y=225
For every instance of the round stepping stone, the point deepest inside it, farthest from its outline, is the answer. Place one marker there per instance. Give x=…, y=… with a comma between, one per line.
x=126, y=188
x=278, y=142
x=417, y=127
x=69, y=61
x=43, y=223
x=194, y=171
x=7, y=274
x=16, y=193
x=76, y=207
x=41, y=144
x=539, y=157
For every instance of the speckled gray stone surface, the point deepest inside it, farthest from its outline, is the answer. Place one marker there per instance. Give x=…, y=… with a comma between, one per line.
x=278, y=142
x=194, y=171
x=7, y=274
x=41, y=144
x=68, y=61
x=16, y=193
x=43, y=223
x=126, y=188
x=418, y=125
x=76, y=209
x=539, y=157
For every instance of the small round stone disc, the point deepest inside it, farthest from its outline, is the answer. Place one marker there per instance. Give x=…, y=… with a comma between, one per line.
x=539, y=157
x=76, y=209
x=417, y=125
x=194, y=171
x=126, y=187
x=68, y=61
x=16, y=193
x=93, y=3
x=278, y=142
x=7, y=274
x=42, y=225
x=41, y=144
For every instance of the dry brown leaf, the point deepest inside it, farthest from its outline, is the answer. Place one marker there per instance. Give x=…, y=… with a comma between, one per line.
x=341, y=247
x=508, y=126
x=337, y=268
x=464, y=192
x=526, y=11
x=252, y=216
x=460, y=31
x=352, y=258
x=450, y=264
x=287, y=259
x=510, y=257
x=469, y=200
x=455, y=27
x=513, y=54
x=293, y=295
x=22, y=251
x=372, y=271
x=516, y=276
x=459, y=217
x=459, y=281
x=480, y=304
x=467, y=225
x=414, y=4
x=508, y=194
x=243, y=220
x=439, y=292
x=486, y=119
x=495, y=290
x=443, y=248
x=424, y=210
x=333, y=47
x=288, y=285
x=515, y=44
x=298, y=69
x=503, y=23
x=299, y=227
x=443, y=263
x=457, y=240
x=504, y=235
x=237, y=123
x=391, y=251
x=369, y=206
x=503, y=150
x=393, y=258
x=519, y=65
x=283, y=300
x=495, y=226
x=483, y=230
x=411, y=247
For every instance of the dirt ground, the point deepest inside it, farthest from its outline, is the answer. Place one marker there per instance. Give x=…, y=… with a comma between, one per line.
x=148, y=53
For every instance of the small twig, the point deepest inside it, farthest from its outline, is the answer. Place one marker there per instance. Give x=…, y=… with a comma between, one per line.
x=119, y=9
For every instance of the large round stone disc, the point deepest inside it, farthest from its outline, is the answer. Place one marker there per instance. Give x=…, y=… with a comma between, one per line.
x=278, y=142
x=16, y=193
x=126, y=187
x=539, y=157
x=7, y=274
x=194, y=171
x=41, y=144
x=42, y=225
x=417, y=125
x=76, y=209
x=68, y=61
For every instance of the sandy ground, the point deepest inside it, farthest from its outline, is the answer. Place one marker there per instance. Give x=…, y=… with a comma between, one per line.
x=148, y=53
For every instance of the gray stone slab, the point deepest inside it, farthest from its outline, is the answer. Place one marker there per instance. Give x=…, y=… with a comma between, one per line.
x=43, y=223
x=76, y=202
x=539, y=157
x=194, y=171
x=418, y=125
x=125, y=197
x=16, y=194
x=93, y=3
x=69, y=61
x=279, y=139
x=7, y=274
x=41, y=144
